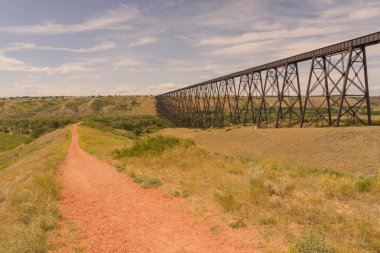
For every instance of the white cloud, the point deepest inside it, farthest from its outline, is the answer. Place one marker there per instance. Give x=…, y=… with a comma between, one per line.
x=127, y=62
x=108, y=20
x=29, y=46
x=14, y=65
x=142, y=41
x=124, y=90
x=163, y=87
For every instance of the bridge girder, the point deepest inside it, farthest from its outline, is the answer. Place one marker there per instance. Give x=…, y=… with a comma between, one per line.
x=270, y=95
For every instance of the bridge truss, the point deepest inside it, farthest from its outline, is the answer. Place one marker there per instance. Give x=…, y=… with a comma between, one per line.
x=271, y=95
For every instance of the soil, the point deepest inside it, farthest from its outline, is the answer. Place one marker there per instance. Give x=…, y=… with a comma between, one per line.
x=116, y=215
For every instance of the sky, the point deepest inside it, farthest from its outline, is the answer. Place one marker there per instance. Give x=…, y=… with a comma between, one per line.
x=102, y=47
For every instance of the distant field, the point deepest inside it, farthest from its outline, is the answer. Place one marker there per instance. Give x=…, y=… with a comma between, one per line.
x=78, y=106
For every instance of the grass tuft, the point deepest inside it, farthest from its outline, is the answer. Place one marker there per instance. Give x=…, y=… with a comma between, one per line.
x=151, y=183
x=48, y=185
x=366, y=184
x=240, y=223
x=227, y=200
x=153, y=145
x=311, y=243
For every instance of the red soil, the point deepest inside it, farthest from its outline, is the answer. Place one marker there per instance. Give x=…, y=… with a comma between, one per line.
x=116, y=215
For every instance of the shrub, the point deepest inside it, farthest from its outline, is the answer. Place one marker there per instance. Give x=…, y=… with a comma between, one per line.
x=97, y=105
x=153, y=145
x=145, y=124
x=366, y=184
x=311, y=243
x=131, y=174
x=120, y=168
x=151, y=183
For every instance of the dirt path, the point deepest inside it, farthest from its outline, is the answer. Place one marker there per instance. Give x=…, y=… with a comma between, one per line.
x=116, y=215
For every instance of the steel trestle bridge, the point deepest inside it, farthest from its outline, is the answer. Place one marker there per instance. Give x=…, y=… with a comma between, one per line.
x=270, y=95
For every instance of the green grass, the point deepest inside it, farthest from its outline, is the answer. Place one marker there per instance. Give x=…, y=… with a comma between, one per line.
x=311, y=243
x=153, y=145
x=98, y=142
x=29, y=191
x=135, y=124
x=10, y=141
x=366, y=184
x=33, y=127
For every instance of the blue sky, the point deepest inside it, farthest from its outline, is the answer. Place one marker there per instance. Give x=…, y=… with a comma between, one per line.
x=85, y=47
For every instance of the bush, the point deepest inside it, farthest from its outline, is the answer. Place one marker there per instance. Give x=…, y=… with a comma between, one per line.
x=33, y=127
x=151, y=183
x=311, y=243
x=153, y=145
x=366, y=184
x=143, y=124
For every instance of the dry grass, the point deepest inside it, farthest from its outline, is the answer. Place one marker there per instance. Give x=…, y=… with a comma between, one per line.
x=282, y=202
x=350, y=150
x=103, y=142
x=28, y=193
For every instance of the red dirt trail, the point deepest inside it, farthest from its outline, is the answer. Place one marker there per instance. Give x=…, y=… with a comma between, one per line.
x=115, y=215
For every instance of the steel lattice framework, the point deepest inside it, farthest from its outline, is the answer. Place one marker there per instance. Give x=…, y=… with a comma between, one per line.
x=270, y=95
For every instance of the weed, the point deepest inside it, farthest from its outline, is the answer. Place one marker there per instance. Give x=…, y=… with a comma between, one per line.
x=185, y=193
x=151, y=183
x=267, y=220
x=227, y=200
x=240, y=223
x=311, y=243
x=48, y=222
x=281, y=186
x=338, y=187
x=137, y=179
x=131, y=174
x=48, y=185
x=120, y=168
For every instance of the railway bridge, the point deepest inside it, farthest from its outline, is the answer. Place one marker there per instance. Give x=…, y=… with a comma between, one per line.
x=271, y=95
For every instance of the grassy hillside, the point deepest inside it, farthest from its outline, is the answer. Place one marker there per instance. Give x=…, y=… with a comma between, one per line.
x=9, y=141
x=28, y=193
x=78, y=106
x=24, y=119
x=286, y=206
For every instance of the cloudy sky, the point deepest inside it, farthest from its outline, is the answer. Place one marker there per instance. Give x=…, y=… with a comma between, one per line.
x=85, y=47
